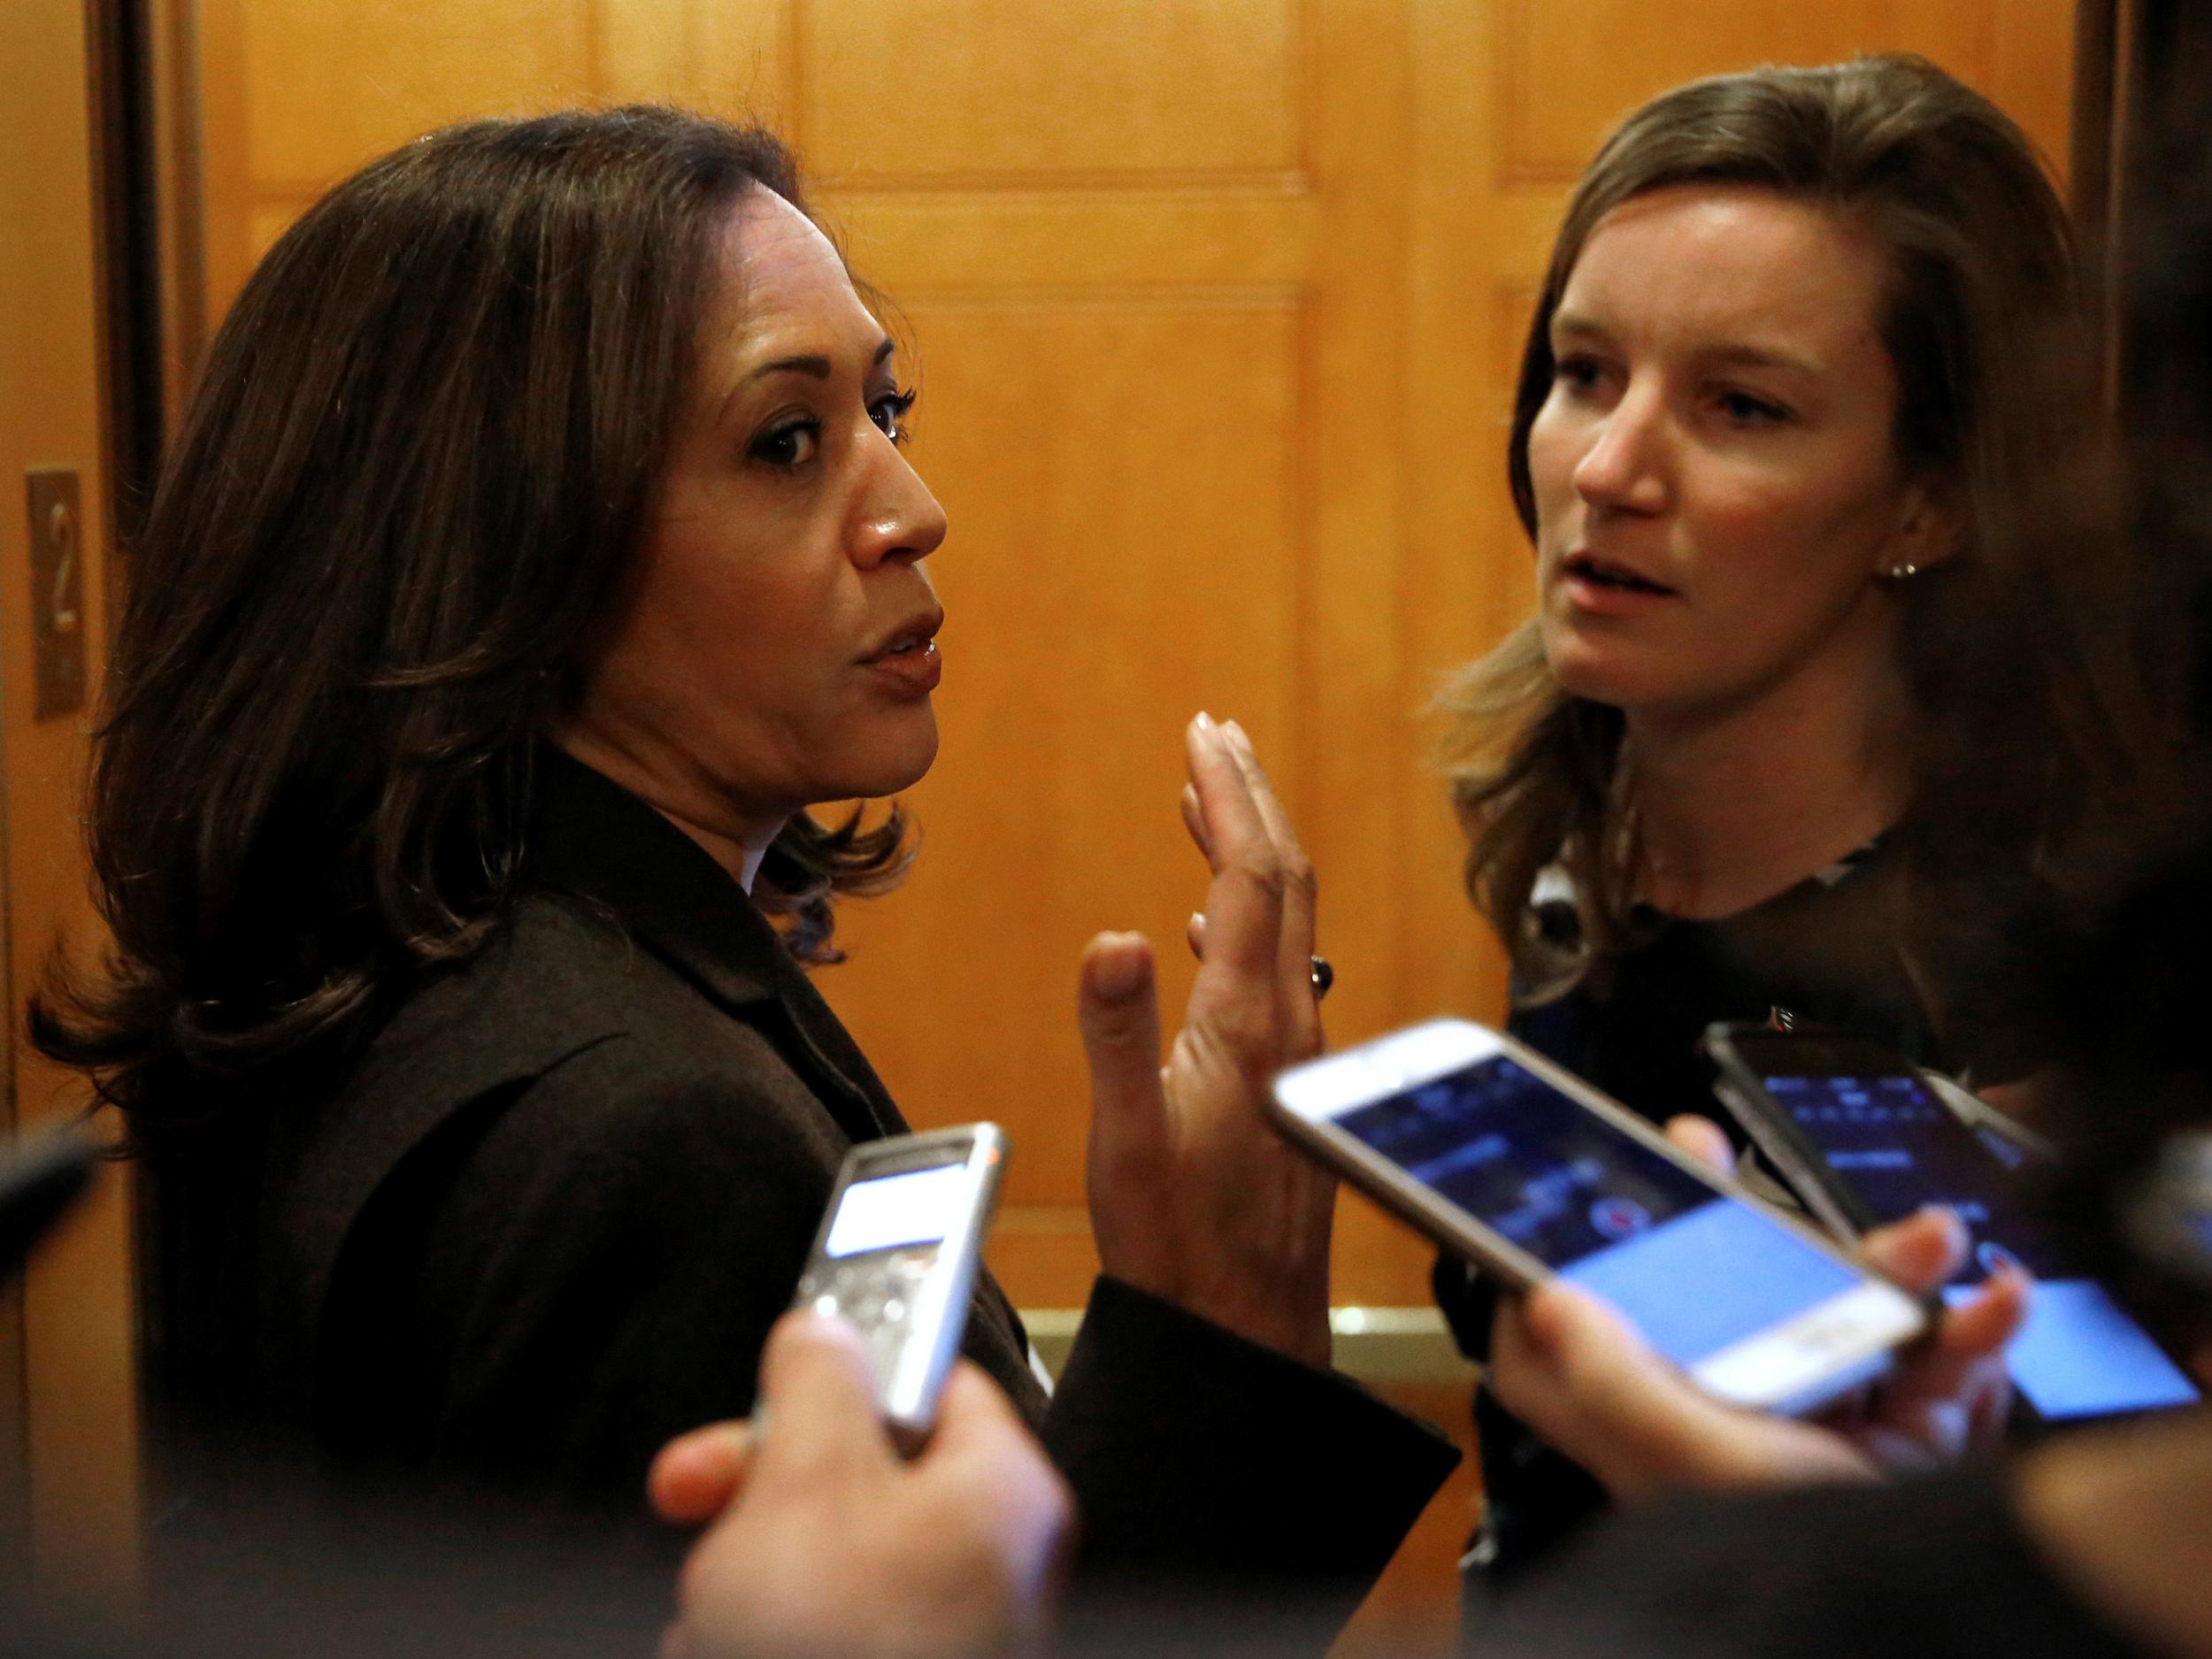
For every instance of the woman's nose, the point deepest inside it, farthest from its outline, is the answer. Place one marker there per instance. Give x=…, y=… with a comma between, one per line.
x=1626, y=464
x=896, y=516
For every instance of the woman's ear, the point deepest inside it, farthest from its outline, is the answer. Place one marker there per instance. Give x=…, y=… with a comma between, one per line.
x=1930, y=529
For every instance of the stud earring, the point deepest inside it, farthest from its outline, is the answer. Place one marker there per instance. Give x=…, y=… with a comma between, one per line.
x=1903, y=570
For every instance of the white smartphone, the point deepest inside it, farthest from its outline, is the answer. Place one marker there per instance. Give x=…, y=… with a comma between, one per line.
x=897, y=1254
x=1503, y=1157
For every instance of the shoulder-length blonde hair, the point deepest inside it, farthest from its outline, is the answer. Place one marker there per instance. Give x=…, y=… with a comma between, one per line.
x=2005, y=645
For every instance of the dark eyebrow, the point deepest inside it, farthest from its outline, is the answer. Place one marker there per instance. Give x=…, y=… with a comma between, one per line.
x=817, y=367
x=1736, y=354
x=1760, y=357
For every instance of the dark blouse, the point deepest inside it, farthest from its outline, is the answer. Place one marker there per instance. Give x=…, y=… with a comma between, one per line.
x=1824, y=952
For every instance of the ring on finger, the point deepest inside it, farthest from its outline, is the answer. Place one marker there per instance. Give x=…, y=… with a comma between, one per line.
x=1323, y=977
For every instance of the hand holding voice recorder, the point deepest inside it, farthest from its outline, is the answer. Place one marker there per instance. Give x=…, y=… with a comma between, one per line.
x=1527, y=1171
x=897, y=1255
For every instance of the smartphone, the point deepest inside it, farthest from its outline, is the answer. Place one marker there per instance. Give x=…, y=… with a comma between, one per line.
x=1863, y=1137
x=897, y=1254
x=1523, y=1169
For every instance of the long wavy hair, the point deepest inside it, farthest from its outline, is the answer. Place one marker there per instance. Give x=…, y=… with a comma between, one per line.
x=2012, y=650
x=422, y=455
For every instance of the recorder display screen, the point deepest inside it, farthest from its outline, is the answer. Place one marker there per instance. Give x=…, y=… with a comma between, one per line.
x=913, y=1207
x=1696, y=1272
x=1900, y=1148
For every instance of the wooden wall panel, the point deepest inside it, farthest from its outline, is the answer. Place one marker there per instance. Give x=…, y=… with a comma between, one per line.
x=1086, y=618
x=2032, y=74
x=338, y=81
x=1217, y=305
x=734, y=57
x=67, y=1415
x=1050, y=91
x=1570, y=68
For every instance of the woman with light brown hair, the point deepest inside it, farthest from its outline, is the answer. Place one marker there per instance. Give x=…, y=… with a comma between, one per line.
x=1803, y=725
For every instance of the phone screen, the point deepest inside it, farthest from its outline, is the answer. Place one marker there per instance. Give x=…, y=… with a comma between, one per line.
x=1695, y=1270
x=1901, y=1148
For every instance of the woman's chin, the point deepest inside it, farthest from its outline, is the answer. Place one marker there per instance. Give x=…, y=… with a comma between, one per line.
x=1599, y=677
x=895, y=767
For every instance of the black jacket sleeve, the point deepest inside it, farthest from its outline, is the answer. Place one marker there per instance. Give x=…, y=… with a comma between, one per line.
x=546, y=1295
x=1210, y=1467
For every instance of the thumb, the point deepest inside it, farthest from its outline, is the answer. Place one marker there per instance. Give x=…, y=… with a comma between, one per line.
x=1117, y=1007
x=1593, y=1387
x=1703, y=1139
x=816, y=1387
x=1581, y=1336
x=1117, y=1003
x=1923, y=1251
x=974, y=1418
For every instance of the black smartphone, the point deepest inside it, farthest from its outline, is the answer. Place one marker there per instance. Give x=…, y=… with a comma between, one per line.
x=1863, y=1137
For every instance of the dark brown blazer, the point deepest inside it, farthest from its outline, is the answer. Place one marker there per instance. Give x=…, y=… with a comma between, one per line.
x=547, y=1219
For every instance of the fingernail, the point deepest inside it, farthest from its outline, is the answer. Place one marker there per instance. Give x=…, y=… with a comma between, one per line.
x=1203, y=721
x=1237, y=736
x=1117, y=971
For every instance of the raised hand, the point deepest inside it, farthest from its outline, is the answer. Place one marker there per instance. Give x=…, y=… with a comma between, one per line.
x=1194, y=1197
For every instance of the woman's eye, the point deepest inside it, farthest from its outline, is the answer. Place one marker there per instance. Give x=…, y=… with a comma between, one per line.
x=791, y=444
x=1578, y=374
x=1744, y=409
x=889, y=413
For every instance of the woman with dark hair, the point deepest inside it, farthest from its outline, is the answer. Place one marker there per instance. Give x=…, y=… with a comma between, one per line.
x=538, y=550
x=1804, y=720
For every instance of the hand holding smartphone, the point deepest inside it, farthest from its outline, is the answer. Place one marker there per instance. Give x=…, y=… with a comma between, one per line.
x=1863, y=1138
x=1504, y=1158
x=897, y=1255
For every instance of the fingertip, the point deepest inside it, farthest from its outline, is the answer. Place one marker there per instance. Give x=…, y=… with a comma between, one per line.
x=971, y=1403
x=1921, y=1252
x=1117, y=967
x=2013, y=1290
x=1945, y=1222
x=804, y=1341
x=695, y=1475
x=805, y=1328
x=1703, y=1139
x=1549, y=1313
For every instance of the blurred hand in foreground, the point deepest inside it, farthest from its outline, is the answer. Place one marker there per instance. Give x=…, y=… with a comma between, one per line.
x=1581, y=1378
x=824, y=1542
